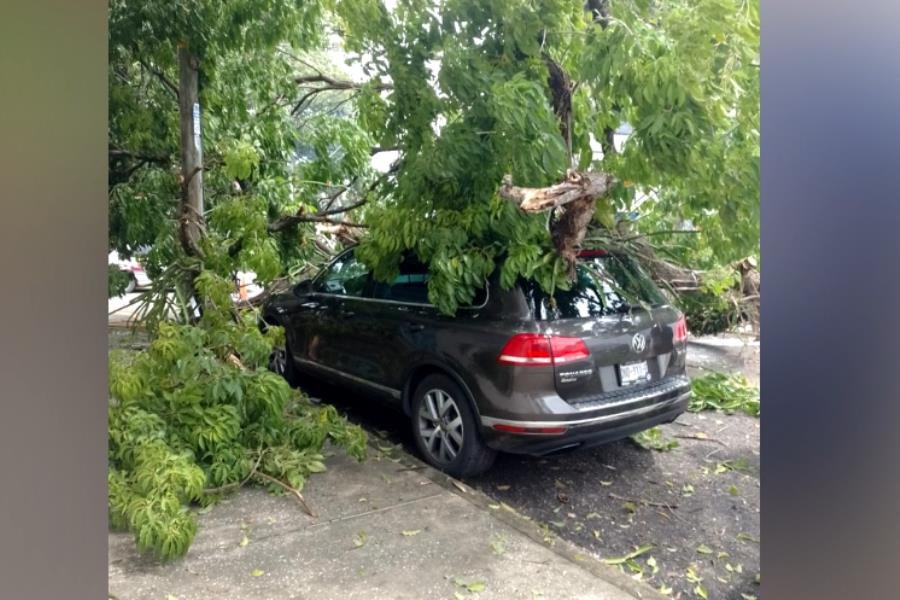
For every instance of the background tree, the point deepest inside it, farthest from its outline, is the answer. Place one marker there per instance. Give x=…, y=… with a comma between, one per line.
x=275, y=138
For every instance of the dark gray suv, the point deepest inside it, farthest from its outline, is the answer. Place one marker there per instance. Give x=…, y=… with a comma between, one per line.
x=517, y=371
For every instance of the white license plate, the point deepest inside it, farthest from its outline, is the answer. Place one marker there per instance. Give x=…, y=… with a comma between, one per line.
x=633, y=373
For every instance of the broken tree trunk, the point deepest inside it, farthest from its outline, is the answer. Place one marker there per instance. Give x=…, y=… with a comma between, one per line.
x=573, y=200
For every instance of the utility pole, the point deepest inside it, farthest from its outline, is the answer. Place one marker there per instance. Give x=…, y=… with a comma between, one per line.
x=191, y=152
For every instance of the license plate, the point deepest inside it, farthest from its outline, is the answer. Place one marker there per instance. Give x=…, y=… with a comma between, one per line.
x=633, y=373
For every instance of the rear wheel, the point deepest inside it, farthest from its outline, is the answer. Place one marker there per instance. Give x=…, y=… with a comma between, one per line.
x=132, y=283
x=445, y=428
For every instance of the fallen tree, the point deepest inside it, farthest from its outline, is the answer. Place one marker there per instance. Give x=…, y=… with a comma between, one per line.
x=505, y=120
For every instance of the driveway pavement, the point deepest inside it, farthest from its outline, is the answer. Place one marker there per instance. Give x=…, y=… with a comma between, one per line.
x=386, y=528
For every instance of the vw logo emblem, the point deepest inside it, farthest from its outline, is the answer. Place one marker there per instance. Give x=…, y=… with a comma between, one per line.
x=638, y=343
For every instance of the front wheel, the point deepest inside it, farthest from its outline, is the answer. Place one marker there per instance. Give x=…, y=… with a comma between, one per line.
x=445, y=428
x=280, y=362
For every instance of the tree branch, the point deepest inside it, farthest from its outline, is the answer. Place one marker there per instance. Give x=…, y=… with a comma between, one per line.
x=288, y=488
x=341, y=209
x=237, y=484
x=600, y=10
x=337, y=84
x=291, y=220
x=322, y=216
x=161, y=76
x=576, y=186
x=306, y=97
x=330, y=84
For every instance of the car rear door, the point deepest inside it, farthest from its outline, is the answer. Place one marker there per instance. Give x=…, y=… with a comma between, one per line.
x=402, y=321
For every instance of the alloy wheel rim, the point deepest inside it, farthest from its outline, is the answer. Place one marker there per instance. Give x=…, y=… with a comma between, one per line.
x=279, y=361
x=440, y=426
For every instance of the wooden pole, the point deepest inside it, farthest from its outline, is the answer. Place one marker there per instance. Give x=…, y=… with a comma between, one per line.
x=191, y=151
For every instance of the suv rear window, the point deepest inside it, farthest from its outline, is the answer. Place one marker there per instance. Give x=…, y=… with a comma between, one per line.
x=604, y=285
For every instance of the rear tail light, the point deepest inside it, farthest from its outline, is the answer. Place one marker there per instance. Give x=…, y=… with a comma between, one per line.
x=680, y=330
x=530, y=349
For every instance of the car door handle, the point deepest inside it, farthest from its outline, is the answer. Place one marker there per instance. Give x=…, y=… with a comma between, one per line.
x=415, y=327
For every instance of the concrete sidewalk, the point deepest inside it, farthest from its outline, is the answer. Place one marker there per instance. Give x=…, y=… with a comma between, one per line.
x=385, y=528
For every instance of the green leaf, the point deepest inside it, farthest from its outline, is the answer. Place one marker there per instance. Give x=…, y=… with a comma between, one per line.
x=498, y=545
x=360, y=539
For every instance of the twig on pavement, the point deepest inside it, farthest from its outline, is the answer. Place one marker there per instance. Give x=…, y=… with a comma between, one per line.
x=700, y=438
x=288, y=488
x=642, y=501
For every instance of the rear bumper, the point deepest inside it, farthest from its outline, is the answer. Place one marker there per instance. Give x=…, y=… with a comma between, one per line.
x=587, y=431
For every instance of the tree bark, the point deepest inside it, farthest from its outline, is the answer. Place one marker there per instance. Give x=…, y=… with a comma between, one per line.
x=574, y=201
x=561, y=88
x=576, y=186
x=191, y=228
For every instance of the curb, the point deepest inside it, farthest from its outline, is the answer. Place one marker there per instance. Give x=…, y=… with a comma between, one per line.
x=524, y=525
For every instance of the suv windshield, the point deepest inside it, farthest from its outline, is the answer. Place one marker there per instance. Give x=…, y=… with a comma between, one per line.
x=604, y=285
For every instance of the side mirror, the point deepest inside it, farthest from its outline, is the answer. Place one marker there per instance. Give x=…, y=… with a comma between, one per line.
x=304, y=287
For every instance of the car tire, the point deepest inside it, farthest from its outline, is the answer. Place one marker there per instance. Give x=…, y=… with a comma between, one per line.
x=446, y=429
x=281, y=364
x=132, y=283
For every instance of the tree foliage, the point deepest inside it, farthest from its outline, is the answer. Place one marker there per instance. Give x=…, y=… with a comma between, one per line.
x=474, y=99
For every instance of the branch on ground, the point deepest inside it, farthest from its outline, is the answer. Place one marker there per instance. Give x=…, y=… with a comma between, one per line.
x=287, y=488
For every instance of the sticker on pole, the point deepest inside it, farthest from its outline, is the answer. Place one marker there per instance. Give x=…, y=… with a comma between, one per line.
x=197, y=126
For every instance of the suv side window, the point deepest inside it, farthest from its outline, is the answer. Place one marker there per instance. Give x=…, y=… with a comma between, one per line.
x=411, y=285
x=345, y=277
